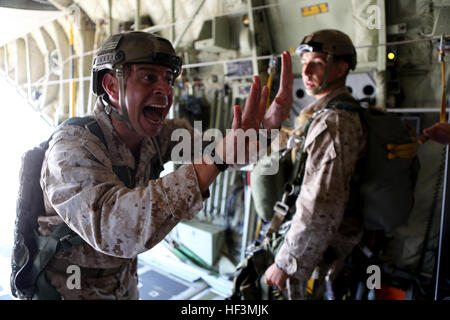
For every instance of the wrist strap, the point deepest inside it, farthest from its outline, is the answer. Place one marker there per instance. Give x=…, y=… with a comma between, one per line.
x=278, y=266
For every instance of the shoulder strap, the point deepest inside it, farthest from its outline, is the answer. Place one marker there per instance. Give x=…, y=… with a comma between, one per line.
x=124, y=173
x=89, y=123
x=299, y=166
x=345, y=102
x=157, y=162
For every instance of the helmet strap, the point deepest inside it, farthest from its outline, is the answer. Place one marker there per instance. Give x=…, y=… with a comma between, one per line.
x=123, y=116
x=110, y=110
x=324, y=85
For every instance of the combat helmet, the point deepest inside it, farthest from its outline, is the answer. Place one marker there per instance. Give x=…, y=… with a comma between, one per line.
x=132, y=47
x=335, y=44
x=127, y=48
x=332, y=42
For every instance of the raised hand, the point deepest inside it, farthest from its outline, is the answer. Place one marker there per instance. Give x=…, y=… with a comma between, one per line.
x=281, y=106
x=235, y=148
x=254, y=107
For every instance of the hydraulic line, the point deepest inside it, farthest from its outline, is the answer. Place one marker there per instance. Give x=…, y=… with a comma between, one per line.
x=443, y=102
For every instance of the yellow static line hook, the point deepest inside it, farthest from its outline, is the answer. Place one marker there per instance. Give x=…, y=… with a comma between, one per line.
x=405, y=151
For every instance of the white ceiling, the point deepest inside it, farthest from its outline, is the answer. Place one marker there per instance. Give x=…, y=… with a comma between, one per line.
x=15, y=23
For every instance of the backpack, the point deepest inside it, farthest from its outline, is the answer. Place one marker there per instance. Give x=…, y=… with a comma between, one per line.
x=32, y=252
x=386, y=176
x=382, y=187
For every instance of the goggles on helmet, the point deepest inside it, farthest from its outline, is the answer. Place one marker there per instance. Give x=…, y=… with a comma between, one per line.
x=309, y=47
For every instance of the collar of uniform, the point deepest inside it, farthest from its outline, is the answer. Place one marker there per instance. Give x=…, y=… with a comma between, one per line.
x=324, y=101
x=119, y=153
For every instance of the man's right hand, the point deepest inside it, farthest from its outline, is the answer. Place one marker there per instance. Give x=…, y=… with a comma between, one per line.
x=228, y=149
x=276, y=277
x=250, y=119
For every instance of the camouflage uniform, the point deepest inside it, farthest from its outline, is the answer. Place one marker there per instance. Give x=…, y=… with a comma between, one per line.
x=334, y=143
x=116, y=223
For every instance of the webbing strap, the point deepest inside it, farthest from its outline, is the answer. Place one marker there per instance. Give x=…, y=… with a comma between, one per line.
x=45, y=291
x=275, y=223
x=61, y=238
x=265, y=289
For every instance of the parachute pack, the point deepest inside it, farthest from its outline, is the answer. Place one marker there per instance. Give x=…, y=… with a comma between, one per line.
x=389, y=170
x=383, y=191
x=32, y=252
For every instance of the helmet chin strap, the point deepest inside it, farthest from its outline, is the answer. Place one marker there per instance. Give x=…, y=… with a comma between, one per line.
x=121, y=116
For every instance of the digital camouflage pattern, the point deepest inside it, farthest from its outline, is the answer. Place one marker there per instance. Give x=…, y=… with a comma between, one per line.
x=116, y=223
x=335, y=141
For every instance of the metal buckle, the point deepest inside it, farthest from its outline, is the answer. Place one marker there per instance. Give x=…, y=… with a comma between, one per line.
x=281, y=208
x=65, y=238
x=294, y=140
x=108, y=109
